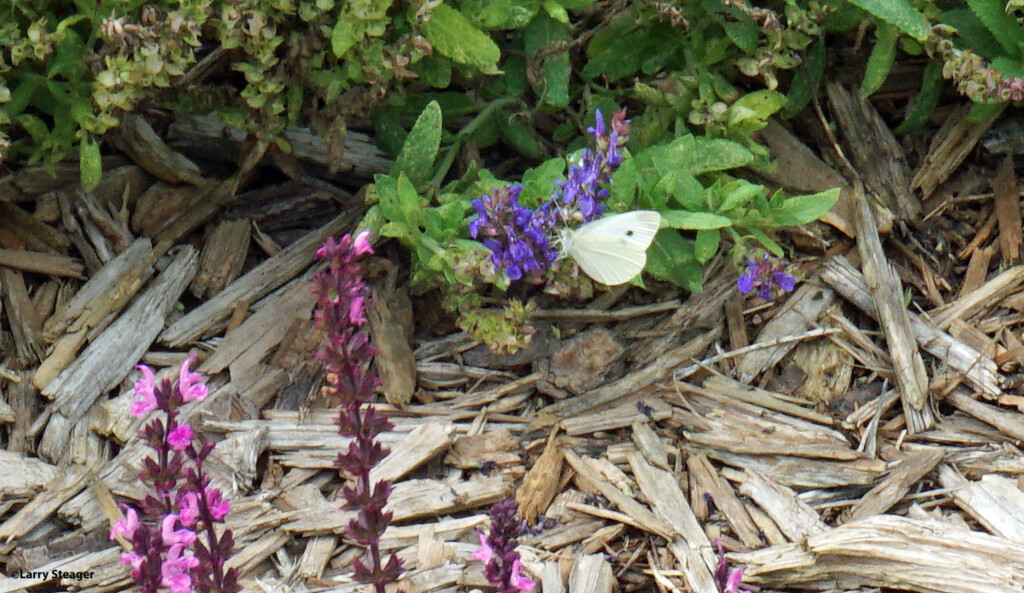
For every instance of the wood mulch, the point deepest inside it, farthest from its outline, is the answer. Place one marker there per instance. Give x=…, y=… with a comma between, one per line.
x=837, y=440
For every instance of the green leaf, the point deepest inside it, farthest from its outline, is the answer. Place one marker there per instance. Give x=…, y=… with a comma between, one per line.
x=740, y=195
x=765, y=240
x=985, y=113
x=696, y=156
x=686, y=191
x=900, y=13
x=694, y=221
x=90, y=163
x=395, y=230
x=972, y=32
x=671, y=259
x=615, y=51
x=555, y=69
x=805, y=80
x=409, y=201
x=706, y=245
x=557, y=11
x=741, y=29
x=398, y=200
x=34, y=126
x=499, y=14
x=927, y=99
x=538, y=181
x=345, y=35
x=880, y=61
x=434, y=70
x=452, y=35
x=518, y=131
x=1004, y=27
x=804, y=209
x=419, y=151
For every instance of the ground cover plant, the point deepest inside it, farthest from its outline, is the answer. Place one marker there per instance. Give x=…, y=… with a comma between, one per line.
x=590, y=186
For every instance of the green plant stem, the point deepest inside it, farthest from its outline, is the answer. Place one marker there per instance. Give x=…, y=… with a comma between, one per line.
x=452, y=151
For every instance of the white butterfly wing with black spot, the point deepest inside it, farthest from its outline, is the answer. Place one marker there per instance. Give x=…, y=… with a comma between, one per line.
x=613, y=250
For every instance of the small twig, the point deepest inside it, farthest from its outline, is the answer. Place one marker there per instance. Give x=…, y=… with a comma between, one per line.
x=814, y=333
x=596, y=316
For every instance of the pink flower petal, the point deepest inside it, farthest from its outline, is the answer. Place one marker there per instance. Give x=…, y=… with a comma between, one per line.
x=190, y=384
x=180, y=438
x=173, y=537
x=485, y=552
x=518, y=581
x=362, y=243
x=126, y=527
x=145, y=400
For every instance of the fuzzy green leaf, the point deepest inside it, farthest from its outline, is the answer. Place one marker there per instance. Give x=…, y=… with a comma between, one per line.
x=706, y=245
x=454, y=36
x=90, y=163
x=804, y=209
x=419, y=151
x=900, y=13
x=671, y=259
x=694, y=221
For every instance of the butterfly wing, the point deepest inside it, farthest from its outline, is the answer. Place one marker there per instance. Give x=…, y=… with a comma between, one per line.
x=613, y=250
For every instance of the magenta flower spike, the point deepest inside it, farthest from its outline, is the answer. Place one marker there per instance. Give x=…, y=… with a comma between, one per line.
x=175, y=544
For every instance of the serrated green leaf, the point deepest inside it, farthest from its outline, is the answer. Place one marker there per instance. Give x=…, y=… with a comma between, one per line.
x=1004, y=27
x=419, y=150
x=900, y=13
x=804, y=209
x=694, y=221
x=685, y=191
x=90, y=163
x=454, y=36
x=880, y=62
x=671, y=259
x=706, y=245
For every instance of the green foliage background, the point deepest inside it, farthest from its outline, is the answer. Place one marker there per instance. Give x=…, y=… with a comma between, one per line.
x=471, y=94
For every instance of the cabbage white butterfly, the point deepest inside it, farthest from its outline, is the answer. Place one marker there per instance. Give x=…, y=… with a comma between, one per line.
x=613, y=250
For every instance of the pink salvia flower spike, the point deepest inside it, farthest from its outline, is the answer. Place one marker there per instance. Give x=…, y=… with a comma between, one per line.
x=175, y=544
